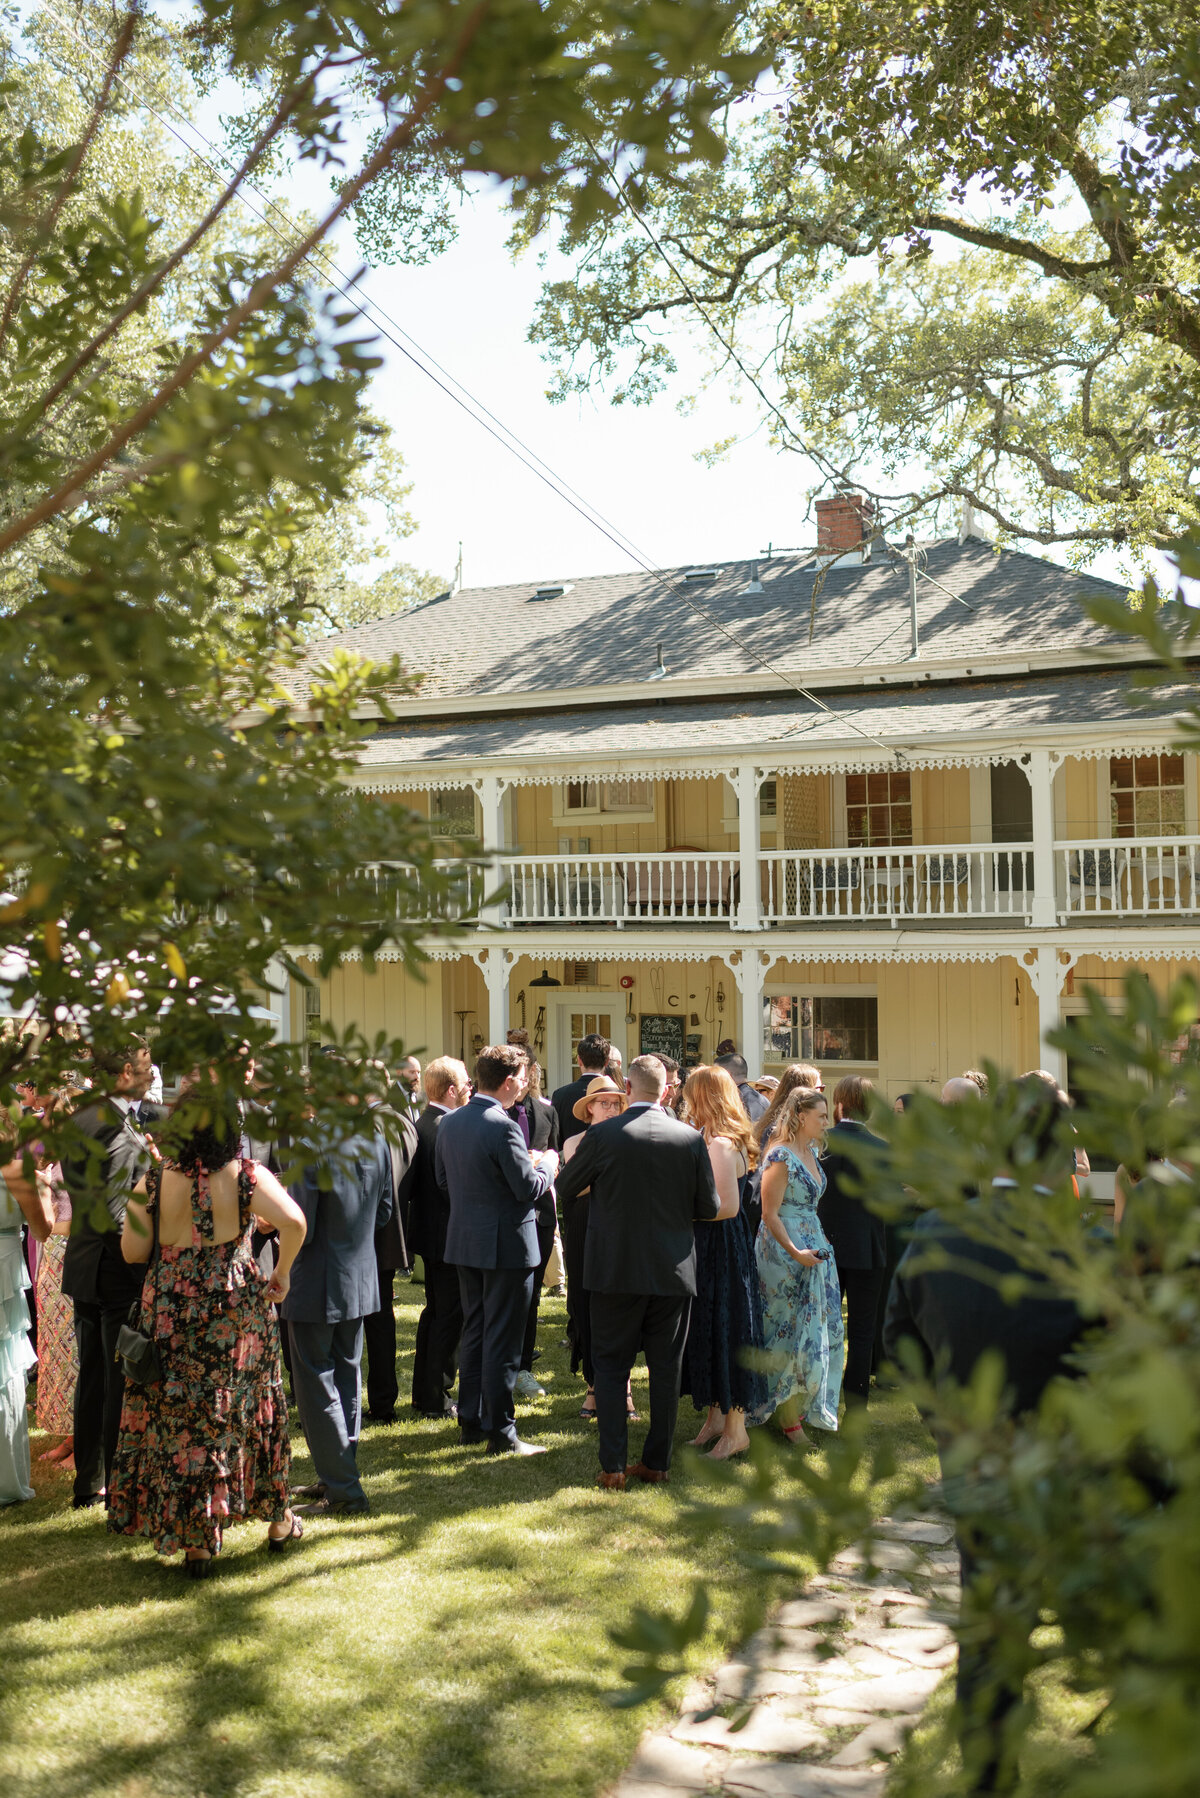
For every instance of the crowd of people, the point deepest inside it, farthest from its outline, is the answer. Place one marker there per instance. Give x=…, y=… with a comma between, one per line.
x=710, y=1223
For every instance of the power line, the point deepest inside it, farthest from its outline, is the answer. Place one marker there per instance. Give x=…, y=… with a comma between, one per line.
x=475, y=408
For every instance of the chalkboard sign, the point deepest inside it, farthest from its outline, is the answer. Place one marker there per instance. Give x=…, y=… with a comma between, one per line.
x=662, y=1033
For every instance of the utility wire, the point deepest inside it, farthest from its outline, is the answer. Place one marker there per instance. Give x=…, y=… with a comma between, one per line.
x=487, y=420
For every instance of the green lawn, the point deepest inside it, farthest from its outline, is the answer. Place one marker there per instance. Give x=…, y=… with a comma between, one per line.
x=453, y=1644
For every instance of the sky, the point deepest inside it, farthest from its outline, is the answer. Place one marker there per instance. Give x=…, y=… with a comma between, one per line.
x=471, y=310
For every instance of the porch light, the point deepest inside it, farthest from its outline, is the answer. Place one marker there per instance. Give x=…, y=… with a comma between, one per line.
x=545, y=978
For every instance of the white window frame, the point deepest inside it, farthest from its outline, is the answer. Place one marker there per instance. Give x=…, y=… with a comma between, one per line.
x=453, y=836
x=780, y=989
x=840, y=810
x=1191, y=824
x=563, y=817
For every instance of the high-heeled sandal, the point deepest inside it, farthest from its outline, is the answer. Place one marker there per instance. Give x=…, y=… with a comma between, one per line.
x=586, y=1410
x=793, y=1434
x=277, y=1544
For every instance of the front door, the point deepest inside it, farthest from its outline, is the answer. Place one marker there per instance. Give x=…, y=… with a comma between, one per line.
x=577, y=1017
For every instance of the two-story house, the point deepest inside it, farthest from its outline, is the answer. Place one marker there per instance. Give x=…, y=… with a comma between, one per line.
x=889, y=814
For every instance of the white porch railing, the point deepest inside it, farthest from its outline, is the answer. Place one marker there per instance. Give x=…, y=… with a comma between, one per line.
x=404, y=898
x=958, y=880
x=616, y=889
x=1129, y=877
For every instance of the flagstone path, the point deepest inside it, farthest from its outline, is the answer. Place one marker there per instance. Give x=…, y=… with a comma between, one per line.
x=833, y=1683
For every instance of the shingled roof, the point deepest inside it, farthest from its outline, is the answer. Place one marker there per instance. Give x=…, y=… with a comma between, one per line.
x=875, y=721
x=602, y=631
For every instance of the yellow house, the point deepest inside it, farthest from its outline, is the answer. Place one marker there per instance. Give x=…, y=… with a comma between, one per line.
x=887, y=813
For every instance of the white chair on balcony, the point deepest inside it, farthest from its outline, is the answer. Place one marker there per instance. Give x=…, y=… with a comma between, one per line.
x=830, y=880
x=942, y=878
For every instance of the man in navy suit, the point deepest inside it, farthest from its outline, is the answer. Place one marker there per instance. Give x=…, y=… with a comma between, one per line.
x=346, y=1194
x=494, y=1184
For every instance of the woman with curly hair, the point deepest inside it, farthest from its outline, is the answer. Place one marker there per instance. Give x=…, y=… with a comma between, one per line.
x=206, y=1442
x=727, y=1310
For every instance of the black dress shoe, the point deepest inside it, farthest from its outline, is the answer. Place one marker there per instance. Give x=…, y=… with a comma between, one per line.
x=316, y=1490
x=515, y=1448
x=86, y=1503
x=470, y=1438
x=380, y=1417
x=449, y=1415
x=335, y=1507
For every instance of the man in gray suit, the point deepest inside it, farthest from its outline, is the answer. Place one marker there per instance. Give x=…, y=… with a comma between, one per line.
x=651, y=1181
x=494, y=1184
x=345, y=1195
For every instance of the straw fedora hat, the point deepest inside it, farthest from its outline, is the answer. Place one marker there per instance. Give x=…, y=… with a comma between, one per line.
x=596, y=1089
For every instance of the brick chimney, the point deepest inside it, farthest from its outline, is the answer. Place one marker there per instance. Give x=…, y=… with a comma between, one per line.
x=843, y=522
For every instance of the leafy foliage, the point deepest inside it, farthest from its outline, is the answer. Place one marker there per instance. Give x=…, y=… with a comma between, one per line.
x=182, y=415
x=1016, y=186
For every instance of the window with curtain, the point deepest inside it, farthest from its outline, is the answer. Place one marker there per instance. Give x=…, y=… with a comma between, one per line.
x=821, y=1028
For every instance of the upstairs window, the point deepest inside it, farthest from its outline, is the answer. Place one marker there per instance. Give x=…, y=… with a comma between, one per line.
x=601, y=798
x=879, y=810
x=1146, y=796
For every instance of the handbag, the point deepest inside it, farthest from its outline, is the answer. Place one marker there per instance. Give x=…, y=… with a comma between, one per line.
x=137, y=1352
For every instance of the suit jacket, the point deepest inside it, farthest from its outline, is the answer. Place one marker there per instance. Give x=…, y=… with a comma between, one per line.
x=756, y=1106
x=543, y=1134
x=345, y=1197
x=953, y=1317
x=482, y=1161
x=391, y=1251
x=428, y=1202
x=651, y=1180
x=564, y=1097
x=99, y=1179
x=857, y=1236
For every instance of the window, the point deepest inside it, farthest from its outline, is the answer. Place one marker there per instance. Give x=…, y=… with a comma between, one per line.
x=312, y=1016
x=878, y=810
x=1146, y=795
x=812, y=1027
x=768, y=799
x=452, y=812
x=589, y=1023
x=598, y=798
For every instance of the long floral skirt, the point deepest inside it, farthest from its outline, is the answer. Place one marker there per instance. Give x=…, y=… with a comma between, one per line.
x=208, y=1442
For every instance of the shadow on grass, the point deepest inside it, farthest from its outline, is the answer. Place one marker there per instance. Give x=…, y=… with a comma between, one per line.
x=454, y=1643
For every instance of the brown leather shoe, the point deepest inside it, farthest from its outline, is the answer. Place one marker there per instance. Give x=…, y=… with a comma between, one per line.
x=612, y=1482
x=650, y=1476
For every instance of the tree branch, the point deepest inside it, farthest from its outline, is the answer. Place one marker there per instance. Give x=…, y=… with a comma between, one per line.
x=54, y=503
x=66, y=186
x=1064, y=268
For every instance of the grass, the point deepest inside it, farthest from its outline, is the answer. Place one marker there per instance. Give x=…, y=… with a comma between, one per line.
x=453, y=1644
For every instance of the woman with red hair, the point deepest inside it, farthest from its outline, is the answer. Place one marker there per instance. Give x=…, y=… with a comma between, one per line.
x=727, y=1310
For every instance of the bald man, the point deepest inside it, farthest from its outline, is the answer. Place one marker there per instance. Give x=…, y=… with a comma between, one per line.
x=959, y=1091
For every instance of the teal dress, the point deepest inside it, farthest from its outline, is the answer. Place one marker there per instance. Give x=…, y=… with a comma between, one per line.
x=802, y=1306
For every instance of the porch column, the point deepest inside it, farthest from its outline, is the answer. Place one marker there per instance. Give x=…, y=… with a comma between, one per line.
x=745, y=781
x=1048, y=968
x=1040, y=766
x=279, y=999
x=491, y=789
x=495, y=964
x=749, y=968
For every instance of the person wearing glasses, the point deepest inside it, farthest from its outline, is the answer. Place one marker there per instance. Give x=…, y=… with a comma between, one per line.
x=439, y=1327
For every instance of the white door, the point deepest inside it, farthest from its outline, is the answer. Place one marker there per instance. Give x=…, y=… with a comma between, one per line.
x=577, y=1015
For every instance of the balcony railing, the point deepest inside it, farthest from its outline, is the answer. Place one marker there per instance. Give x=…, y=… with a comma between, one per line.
x=955, y=880
x=619, y=889
x=406, y=900
x=1130, y=878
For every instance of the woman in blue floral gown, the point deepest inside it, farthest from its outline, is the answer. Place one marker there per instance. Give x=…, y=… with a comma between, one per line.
x=802, y=1302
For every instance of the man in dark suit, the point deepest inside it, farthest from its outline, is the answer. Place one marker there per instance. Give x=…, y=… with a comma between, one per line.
x=439, y=1327
x=107, y=1157
x=494, y=1184
x=345, y=1195
x=858, y=1237
x=651, y=1180
x=735, y=1066
x=391, y=1254
x=537, y=1121
x=592, y=1055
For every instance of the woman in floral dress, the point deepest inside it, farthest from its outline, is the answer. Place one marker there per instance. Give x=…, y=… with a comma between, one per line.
x=802, y=1302
x=207, y=1442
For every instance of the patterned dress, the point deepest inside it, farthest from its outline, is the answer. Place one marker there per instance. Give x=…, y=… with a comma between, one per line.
x=16, y=1355
x=208, y=1442
x=802, y=1306
x=58, y=1359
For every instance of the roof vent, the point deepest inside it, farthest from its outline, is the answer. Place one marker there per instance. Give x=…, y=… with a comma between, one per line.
x=700, y=574
x=554, y=591
x=753, y=585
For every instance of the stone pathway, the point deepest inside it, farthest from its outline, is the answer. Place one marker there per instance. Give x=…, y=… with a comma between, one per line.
x=833, y=1683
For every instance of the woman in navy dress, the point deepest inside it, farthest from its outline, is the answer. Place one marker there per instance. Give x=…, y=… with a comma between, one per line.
x=727, y=1310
